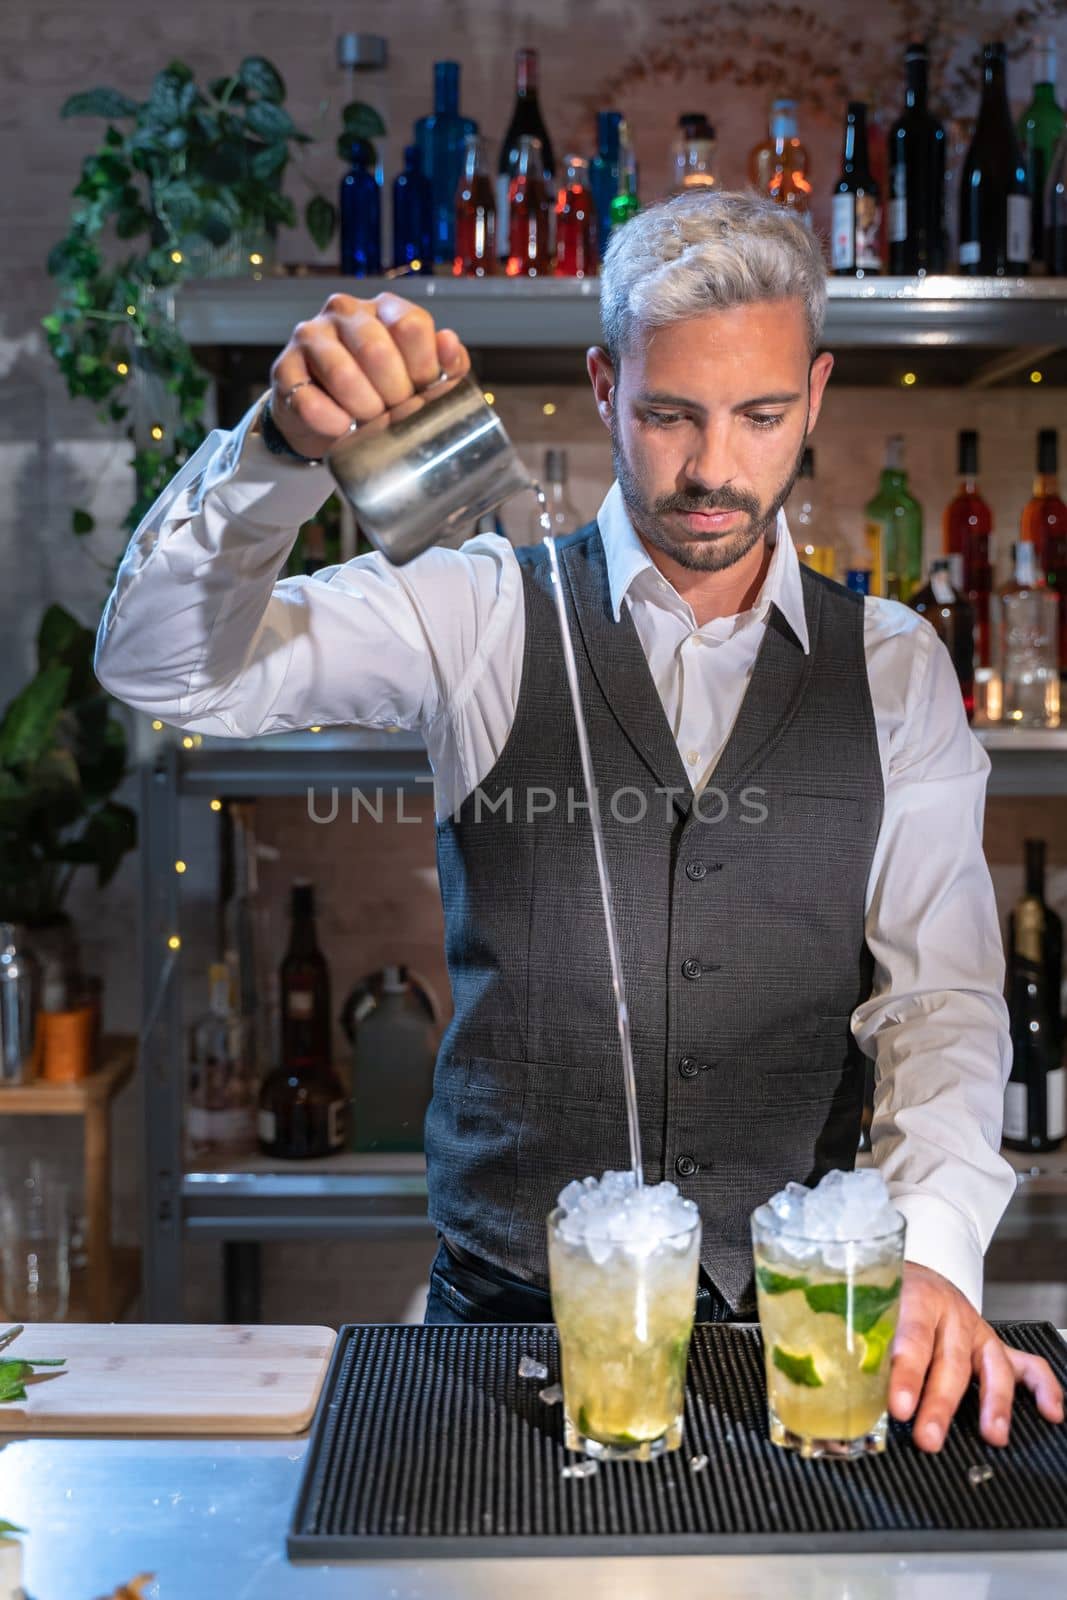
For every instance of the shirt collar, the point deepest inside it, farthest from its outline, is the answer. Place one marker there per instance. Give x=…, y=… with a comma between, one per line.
x=627, y=558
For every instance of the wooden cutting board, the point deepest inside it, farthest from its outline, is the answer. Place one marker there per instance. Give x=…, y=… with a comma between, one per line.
x=159, y=1378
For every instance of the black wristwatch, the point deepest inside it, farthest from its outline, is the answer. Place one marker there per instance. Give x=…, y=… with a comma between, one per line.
x=277, y=443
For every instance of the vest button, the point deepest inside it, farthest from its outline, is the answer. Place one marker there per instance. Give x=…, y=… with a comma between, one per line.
x=688, y=1067
x=691, y=968
x=686, y=1167
x=695, y=870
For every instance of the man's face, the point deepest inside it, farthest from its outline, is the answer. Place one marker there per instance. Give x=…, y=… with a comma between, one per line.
x=711, y=415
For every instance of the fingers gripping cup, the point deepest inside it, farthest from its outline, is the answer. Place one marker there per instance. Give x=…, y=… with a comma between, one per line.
x=623, y=1274
x=426, y=469
x=829, y=1268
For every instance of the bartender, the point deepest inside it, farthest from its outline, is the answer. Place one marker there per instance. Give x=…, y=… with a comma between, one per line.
x=792, y=798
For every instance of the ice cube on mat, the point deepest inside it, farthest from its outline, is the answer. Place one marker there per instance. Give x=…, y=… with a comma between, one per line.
x=529, y=1368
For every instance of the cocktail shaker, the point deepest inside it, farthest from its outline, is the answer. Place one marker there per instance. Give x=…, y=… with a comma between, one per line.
x=20, y=986
x=427, y=468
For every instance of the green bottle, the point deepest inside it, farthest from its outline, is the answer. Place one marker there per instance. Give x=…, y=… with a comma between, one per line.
x=1039, y=131
x=894, y=525
x=625, y=204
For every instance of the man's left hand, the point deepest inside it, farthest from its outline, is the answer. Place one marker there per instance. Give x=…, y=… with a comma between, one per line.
x=942, y=1343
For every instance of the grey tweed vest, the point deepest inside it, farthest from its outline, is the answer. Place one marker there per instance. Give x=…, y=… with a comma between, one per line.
x=741, y=921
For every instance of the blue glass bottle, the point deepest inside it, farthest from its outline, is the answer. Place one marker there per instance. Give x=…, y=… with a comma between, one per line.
x=361, y=214
x=413, y=214
x=604, y=172
x=440, y=139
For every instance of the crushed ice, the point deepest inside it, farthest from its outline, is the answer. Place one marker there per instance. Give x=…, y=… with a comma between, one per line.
x=611, y=1211
x=552, y=1395
x=845, y=1209
x=697, y=1463
x=580, y=1469
x=978, y=1475
x=529, y=1368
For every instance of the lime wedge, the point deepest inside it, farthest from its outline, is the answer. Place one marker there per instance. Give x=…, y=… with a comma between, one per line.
x=798, y=1369
x=877, y=1341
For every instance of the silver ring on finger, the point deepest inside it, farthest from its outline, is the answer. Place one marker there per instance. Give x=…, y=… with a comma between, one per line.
x=288, y=396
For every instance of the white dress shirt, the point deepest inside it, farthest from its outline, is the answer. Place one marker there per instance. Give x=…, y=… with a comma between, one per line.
x=200, y=633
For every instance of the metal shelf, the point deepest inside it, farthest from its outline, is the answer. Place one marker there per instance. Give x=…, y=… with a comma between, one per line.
x=529, y=313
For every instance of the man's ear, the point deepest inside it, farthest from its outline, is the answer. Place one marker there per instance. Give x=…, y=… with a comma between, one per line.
x=602, y=377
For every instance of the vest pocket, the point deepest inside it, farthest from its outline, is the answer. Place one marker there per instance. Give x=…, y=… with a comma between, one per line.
x=551, y=1080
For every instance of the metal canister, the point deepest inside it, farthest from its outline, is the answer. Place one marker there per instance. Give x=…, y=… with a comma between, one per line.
x=426, y=469
x=20, y=987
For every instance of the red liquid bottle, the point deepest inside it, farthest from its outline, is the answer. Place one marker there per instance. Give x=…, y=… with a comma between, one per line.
x=529, y=250
x=1044, y=524
x=967, y=531
x=475, y=232
x=577, y=255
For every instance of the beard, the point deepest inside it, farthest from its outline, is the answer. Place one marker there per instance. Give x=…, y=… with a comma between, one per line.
x=701, y=553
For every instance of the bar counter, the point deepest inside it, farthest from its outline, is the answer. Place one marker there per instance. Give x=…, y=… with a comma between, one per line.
x=208, y=1517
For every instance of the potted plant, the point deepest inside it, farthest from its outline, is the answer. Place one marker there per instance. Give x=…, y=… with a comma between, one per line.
x=62, y=756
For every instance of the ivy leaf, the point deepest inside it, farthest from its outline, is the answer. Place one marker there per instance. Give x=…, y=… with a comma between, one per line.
x=99, y=103
x=321, y=219
x=214, y=223
x=362, y=121
x=269, y=121
x=73, y=257
x=81, y=522
x=268, y=161
x=28, y=725
x=262, y=78
x=178, y=202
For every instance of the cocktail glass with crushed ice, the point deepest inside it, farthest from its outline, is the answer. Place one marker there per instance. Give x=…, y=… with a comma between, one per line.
x=829, y=1265
x=623, y=1268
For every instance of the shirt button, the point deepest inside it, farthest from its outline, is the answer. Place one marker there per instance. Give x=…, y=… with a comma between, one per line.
x=688, y=1067
x=686, y=1167
x=691, y=968
x=696, y=870
x=693, y=757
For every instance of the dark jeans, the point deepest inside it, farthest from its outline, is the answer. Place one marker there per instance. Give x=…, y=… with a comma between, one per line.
x=465, y=1289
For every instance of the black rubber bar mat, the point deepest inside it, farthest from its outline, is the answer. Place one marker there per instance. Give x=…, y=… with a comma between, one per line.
x=427, y=1443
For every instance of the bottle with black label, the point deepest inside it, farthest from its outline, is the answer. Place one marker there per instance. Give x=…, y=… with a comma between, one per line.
x=1035, y=1102
x=994, y=194
x=303, y=1103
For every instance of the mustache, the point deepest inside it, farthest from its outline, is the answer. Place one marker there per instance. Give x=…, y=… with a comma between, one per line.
x=723, y=501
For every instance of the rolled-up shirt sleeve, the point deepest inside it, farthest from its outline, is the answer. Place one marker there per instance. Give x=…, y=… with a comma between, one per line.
x=936, y=1023
x=201, y=632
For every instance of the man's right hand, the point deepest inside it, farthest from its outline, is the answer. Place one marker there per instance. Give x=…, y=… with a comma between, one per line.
x=364, y=357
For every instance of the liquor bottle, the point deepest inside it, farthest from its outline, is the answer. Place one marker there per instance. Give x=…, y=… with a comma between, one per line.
x=778, y=165
x=440, y=139
x=577, y=255
x=361, y=214
x=951, y=615
x=625, y=204
x=1045, y=516
x=566, y=517
x=806, y=517
x=389, y=1017
x=994, y=198
x=1024, y=625
x=916, y=178
x=693, y=154
x=1055, y=211
x=220, y=1104
x=855, y=210
x=604, y=173
x=302, y=1103
x=1035, y=1114
x=1039, y=130
x=959, y=133
x=529, y=245
x=894, y=524
x=475, y=232
x=526, y=120
x=967, y=531
x=413, y=215
x=1034, y=853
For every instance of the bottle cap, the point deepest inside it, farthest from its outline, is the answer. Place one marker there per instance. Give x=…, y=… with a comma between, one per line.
x=1047, y=451
x=302, y=897
x=894, y=453
x=968, y=453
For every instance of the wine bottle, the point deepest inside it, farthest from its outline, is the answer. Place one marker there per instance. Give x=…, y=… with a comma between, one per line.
x=526, y=119
x=951, y=615
x=1034, y=855
x=530, y=252
x=967, y=531
x=855, y=209
x=916, y=178
x=994, y=197
x=476, y=249
x=1044, y=523
x=1035, y=1109
x=1039, y=130
x=1055, y=211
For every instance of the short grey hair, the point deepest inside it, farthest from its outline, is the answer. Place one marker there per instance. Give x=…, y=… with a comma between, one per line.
x=705, y=250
